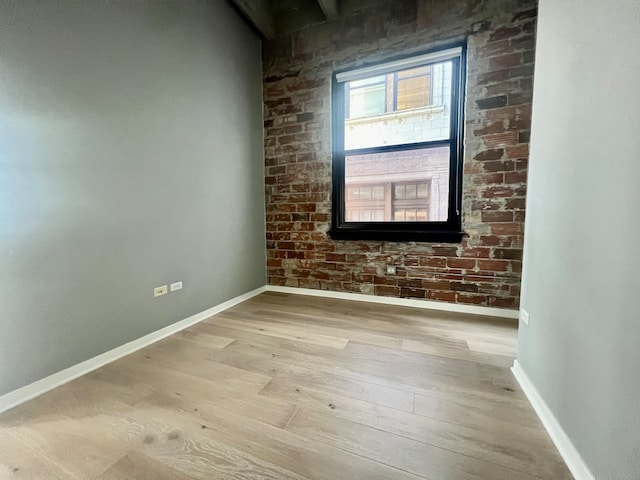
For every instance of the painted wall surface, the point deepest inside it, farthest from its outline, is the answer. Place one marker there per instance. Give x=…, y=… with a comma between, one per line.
x=580, y=282
x=131, y=156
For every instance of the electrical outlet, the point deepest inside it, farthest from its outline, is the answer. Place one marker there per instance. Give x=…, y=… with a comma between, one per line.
x=175, y=286
x=524, y=316
x=160, y=291
x=391, y=269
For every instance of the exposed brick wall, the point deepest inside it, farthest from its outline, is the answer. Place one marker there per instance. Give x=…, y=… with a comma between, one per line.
x=485, y=268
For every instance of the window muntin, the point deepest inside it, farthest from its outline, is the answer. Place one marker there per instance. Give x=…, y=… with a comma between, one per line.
x=398, y=132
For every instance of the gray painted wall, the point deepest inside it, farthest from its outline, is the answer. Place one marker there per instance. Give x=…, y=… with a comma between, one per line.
x=580, y=281
x=130, y=157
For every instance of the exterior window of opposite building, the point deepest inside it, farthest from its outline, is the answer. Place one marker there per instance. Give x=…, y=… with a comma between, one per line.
x=397, y=149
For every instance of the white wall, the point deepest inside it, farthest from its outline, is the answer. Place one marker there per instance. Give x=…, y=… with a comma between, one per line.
x=581, y=282
x=130, y=157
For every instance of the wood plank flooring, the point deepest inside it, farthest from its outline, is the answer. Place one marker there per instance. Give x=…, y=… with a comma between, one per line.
x=294, y=387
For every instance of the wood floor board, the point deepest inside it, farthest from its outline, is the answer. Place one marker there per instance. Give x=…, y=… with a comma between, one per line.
x=189, y=358
x=72, y=446
x=405, y=454
x=487, y=350
x=21, y=462
x=372, y=369
x=288, y=454
x=382, y=358
x=406, y=318
x=294, y=387
x=193, y=394
x=389, y=329
x=507, y=450
x=317, y=324
x=280, y=331
x=280, y=367
x=251, y=358
x=87, y=396
x=485, y=416
x=185, y=443
x=493, y=347
x=243, y=335
x=138, y=466
x=431, y=348
x=211, y=341
x=379, y=313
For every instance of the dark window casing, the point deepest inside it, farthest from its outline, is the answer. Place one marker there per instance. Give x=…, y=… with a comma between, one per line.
x=449, y=230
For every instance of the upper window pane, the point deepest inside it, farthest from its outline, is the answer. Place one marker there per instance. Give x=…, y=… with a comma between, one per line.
x=407, y=106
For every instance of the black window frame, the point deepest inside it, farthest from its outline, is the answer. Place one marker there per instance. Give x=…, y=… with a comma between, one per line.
x=430, y=231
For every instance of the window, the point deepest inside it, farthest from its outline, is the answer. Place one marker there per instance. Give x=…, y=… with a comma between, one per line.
x=397, y=149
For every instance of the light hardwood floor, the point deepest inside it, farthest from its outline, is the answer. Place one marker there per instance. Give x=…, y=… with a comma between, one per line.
x=294, y=387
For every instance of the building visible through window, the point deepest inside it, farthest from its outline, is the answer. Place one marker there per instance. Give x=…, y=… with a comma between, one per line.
x=389, y=93
x=397, y=145
x=397, y=108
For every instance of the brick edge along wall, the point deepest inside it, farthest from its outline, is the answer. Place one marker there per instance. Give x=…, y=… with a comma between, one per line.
x=484, y=269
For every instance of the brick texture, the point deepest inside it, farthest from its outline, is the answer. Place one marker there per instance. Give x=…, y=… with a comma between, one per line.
x=485, y=268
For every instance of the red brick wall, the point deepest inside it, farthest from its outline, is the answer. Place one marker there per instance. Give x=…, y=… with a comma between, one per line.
x=485, y=268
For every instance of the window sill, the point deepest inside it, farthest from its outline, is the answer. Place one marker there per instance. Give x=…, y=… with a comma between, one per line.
x=439, y=236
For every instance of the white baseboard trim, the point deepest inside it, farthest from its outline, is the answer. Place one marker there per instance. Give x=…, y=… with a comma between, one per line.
x=23, y=394
x=563, y=443
x=405, y=302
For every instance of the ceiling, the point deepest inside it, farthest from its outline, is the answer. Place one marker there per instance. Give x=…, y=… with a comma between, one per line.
x=272, y=18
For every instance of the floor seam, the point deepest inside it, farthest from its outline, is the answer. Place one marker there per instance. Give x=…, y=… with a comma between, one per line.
x=292, y=416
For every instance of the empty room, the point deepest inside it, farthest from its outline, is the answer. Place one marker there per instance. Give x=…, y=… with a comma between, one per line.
x=319, y=239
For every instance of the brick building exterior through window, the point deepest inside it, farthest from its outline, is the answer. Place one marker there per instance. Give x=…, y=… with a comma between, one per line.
x=388, y=201
x=405, y=186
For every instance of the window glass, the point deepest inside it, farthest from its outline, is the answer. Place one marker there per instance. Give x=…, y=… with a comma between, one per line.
x=413, y=92
x=409, y=177
x=367, y=97
x=371, y=121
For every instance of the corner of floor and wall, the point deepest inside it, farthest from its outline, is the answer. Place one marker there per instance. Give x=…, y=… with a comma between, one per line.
x=136, y=138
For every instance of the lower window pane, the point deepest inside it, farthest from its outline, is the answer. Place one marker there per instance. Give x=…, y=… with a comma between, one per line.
x=408, y=186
